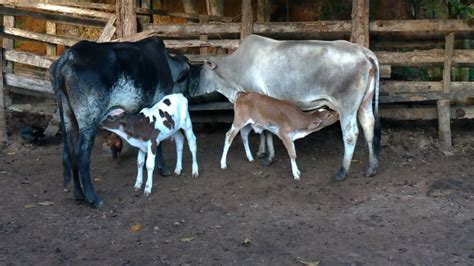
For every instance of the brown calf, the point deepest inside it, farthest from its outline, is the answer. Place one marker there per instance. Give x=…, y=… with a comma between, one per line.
x=282, y=118
x=115, y=145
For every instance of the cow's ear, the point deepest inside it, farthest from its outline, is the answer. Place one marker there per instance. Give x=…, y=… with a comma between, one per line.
x=117, y=111
x=210, y=64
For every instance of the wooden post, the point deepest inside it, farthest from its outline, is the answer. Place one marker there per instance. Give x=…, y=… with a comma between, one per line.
x=190, y=6
x=3, y=121
x=263, y=10
x=126, y=17
x=247, y=19
x=148, y=5
x=444, y=119
x=215, y=7
x=360, y=22
x=202, y=37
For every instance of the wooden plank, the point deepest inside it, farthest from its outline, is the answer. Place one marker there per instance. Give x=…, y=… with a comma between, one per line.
x=214, y=106
x=29, y=58
x=42, y=109
x=424, y=57
x=444, y=125
x=246, y=27
x=203, y=37
x=215, y=7
x=424, y=113
x=176, y=44
x=193, y=17
x=50, y=29
x=417, y=91
x=109, y=30
x=8, y=43
x=421, y=26
x=67, y=19
x=360, y=22
x=3, y=121
x=125, y=11
x=34, y=84
x=88, y=5
x=191, y=29
x=48, y=38
x=60, y=9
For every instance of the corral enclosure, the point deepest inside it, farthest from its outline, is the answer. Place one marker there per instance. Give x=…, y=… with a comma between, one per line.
x=418, y=210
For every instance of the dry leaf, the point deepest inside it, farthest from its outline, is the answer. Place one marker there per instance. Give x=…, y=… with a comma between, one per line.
x=30, y=205
x=135, y=228
x=310, y=263
x=246, y=242
x=186, y=239
x=46, y=203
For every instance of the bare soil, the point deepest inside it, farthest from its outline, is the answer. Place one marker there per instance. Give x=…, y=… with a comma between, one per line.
x=418, y=210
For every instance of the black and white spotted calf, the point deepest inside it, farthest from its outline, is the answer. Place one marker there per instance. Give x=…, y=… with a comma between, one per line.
x=149, y=127
x=91, y=78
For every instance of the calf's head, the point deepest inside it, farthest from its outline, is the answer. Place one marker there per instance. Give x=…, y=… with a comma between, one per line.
x=136, y=126
x=322, y=118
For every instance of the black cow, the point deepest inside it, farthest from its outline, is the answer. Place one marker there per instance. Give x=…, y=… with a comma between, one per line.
x=91, y=78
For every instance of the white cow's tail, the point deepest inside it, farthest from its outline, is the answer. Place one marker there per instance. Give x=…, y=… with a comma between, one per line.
x=377, y=128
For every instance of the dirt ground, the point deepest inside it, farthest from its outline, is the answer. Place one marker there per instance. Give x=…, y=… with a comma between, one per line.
x=419, y=210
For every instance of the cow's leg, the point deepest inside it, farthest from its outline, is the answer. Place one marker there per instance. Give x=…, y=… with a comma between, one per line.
x=160, y=162
x=229, y=137
x=244, y=133
x=367, y=121
x=83, y=151
x=290, y=147
x=350, y=132
x=270, y=150
x=261, y=147
x=150, y=166
x=179, y=140
x=192, y=147
x=140, y=163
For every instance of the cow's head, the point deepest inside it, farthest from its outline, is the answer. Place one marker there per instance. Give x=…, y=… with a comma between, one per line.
x=210, y=79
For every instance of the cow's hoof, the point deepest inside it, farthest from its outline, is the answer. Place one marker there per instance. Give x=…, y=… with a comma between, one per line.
x=78, y=195
x=340, y=176
x=177, y=173
x=165, y=171
x=266, y=162
x=261, y=155
x=195, y=175
x=98, y=203
x=371, y=171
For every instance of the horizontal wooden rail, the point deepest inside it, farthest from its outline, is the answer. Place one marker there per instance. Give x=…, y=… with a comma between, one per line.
x=177, y=44
x=34, y=84
x=29, y=58
x=41, y=37
x=424, y=57
x=403, y=91
x=108, y=7
x=78, y=21
x=58, y=8
x=421, y=26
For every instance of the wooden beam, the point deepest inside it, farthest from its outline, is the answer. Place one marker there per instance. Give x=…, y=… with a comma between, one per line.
x=3, y=121
x=34, y=84
x=29, y=58
x=48, y=38
x=421, y=26
x=247, y=19
x=177, y=44
x=401, y=112
x=126, y=17
x=424, y=57
x=50, y=29
x=109, y=30
x=360, y=22
x=8, y=43
x=67, y=19
x=215, y=7
x=444, y=120
x=62, y=9
x=263, y=10
x=87, y=5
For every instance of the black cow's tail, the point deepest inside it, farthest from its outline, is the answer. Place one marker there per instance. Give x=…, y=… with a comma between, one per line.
x=57, y=82
x=377, y=127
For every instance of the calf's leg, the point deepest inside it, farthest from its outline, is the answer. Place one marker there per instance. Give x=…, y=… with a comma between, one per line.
x=244, y=133
x=140, y=163
x=179, y=140
x=229, y=137
x=150, y=166
x=290, y=147
x=192, y=147
x=261, y=147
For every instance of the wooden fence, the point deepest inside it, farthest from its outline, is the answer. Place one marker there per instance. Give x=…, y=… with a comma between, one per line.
x=211, y=32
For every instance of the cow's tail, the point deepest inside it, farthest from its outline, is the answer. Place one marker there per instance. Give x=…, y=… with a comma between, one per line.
x=377, y=128
x=57, y=82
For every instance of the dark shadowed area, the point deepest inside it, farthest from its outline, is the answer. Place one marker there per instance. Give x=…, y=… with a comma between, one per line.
x=418, y=210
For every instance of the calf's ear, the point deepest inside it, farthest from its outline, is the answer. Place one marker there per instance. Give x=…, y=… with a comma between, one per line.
x=117, y=111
